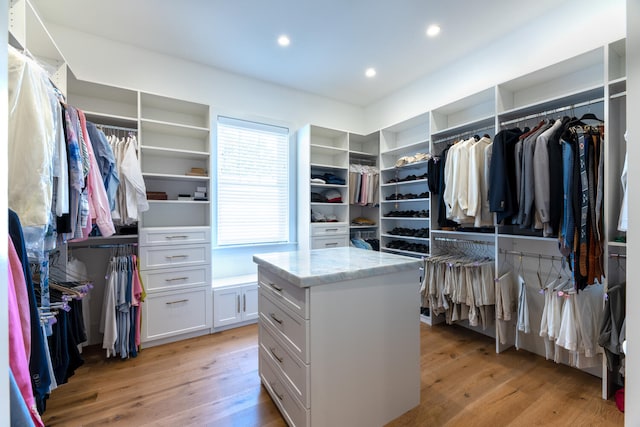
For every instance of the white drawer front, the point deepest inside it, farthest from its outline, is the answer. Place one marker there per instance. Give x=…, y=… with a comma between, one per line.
x=291, y=409
x=174, y=256
x=174, y=313
x=174, y=278
x=177, y=236
x=329, y=242
x=291, y=369
x=288, y=294
x=328, y=229
x=292, y=329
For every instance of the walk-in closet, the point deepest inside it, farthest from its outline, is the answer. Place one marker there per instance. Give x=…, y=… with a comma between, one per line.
x=208, y=233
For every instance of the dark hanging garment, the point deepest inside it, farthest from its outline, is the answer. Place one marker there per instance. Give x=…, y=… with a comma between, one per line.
x=554, y=150
x=443, y=222
x=433, y=174
x=503, y=199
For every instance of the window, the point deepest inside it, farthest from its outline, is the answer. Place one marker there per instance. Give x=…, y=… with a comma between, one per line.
x=252, y=183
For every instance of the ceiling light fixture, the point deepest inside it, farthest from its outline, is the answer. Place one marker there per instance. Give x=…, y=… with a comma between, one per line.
x=370, y=72
x=433, y=30
x=284, y=41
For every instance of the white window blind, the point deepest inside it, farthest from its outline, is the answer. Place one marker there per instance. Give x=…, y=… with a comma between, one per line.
x=252, y=183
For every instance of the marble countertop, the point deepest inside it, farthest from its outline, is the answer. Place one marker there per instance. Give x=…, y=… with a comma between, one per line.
x=322, y=266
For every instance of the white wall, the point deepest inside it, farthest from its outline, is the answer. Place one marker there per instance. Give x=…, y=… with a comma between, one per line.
x=105, y=61
x=632, y=379
x=571, y=29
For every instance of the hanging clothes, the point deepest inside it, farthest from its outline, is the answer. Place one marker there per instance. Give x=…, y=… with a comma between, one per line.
x=364, y=181
x=623, y=219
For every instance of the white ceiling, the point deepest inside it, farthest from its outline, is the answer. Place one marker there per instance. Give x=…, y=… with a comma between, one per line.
x=332, y=41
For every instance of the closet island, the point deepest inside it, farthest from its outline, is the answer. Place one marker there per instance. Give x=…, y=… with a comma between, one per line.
x=339, y=335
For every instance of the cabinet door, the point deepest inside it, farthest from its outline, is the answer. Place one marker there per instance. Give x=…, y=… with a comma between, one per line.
x=250, y=302
x=227, y=308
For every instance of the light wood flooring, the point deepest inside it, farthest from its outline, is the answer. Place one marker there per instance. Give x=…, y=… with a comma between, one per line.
x=213, y=381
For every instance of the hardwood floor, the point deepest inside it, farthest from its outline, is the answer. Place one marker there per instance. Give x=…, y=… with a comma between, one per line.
x=213, y=381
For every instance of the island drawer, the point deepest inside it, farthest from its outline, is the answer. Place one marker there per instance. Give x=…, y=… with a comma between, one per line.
x=290, y=295
x=292, y=330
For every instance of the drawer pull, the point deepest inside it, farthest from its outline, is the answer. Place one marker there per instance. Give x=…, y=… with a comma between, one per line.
x=331, y=244
x=273, y=316
x=176, y=278
x=176, y=237
x=273, y=352
x=331, y=229
x=175, y=256
x=276, y=287
x=177, y=302
x=272, y=384
x=238, y=303
x=244, y=302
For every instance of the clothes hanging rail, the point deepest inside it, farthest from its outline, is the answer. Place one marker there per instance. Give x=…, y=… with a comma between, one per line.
x=463, y=134
x=104, y=246
x=110, y=127
x=617, y=256
x=532, y=255
x=466, y=241
x=552, y=112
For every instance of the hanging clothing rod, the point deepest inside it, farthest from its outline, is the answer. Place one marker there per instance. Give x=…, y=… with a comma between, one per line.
x=469, y=132
x=103, y=246
x=454, y=240
x=617, y=256
x=109, y=127
x=532, y=255
x=554, y=111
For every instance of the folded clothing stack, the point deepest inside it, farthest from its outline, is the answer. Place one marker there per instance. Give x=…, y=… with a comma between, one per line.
x=156, y=195
x=327, y=178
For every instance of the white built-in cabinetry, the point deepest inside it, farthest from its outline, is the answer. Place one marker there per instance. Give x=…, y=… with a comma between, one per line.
x=174, y=236
x=329, y=153
x=404, y=192
x=235, y=302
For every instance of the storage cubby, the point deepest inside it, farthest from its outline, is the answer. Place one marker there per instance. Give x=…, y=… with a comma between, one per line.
x=468, y=111
x=172, y=111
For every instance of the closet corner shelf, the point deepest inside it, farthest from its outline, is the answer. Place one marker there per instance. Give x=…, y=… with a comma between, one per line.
x=618, y=95
x=175, y=177
x=574, y=97
x=406, y=148
x=363, y=154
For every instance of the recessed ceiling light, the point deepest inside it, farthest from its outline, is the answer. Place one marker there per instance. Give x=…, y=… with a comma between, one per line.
x=433, y=30
x=283, y=40
x=370, y=72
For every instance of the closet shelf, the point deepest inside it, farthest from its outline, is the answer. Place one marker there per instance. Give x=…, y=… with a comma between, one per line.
x=363, y=154
x=398, y=236
x=405, y=149
x=404, y=200
x=175, y=152
x=175, y=177
x=414, y=165
x=122, y=239
x=617, y=244
x=363, y=227
x=618, y=95
x=463, y=233
x=326, y=166
x=575, y=97
x=469, y=126
x=400, y=251
x=328, y=204
x=327, y=150
x=406, y=218
x=415, y=181
x=181, y=202
x=328, y=185
x=162, y=127
x=524, y=237
x=111, y=119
